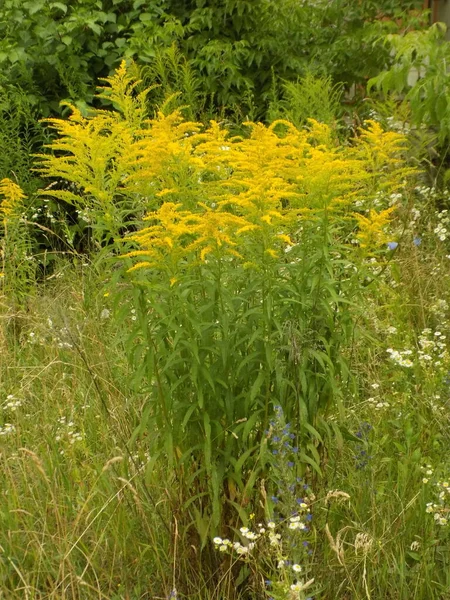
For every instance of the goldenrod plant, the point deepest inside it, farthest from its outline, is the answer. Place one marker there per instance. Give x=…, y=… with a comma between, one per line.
x=246, y=395
x=240, y=300
x=16, y=267
x=122, y=163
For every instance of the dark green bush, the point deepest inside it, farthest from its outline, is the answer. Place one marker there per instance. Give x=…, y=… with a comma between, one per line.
x=57, y=50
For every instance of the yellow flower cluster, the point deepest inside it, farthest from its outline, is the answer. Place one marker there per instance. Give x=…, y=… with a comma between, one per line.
x=11, y=196
x=206, y=191
x=382, y=152
x=372, y=228
x=12, y=199
x=180, y=233
x=269, y=180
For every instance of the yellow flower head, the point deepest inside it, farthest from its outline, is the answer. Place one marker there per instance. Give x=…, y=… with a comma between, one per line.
x=12, y=199
x=372, y=232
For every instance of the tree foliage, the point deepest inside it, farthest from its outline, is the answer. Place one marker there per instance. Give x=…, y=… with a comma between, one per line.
x=57, y=49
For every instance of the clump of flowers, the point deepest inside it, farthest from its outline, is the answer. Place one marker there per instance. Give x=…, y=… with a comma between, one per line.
x=68, y=433
x=432, y=348
x=269, y=546
x=218, y=185
x=12, y=403
x=372, y=228
x=399, y=357
x=6, y=429
x=13, y=239
x=440, y=507
x=11, y=201
x=442, y=228
x=280, y=546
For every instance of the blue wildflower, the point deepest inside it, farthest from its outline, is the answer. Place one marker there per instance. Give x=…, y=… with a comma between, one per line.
x=417, y=241
x=392, y=245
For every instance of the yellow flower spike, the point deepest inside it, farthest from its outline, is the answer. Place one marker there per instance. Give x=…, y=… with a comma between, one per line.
x=166, y=192
x=141, y=265
x=382, y=151
x=271, y=252
x=371, y=229
x=206, y=192
x=12, y=199
x=206, y=250
x=285, y=238
x=321, y=133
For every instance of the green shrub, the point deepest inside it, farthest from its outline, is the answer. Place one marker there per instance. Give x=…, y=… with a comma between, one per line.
x=419, y=75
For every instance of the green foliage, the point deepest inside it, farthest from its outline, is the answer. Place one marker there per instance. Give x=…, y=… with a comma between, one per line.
x=221, y=347
x=347, y=41
x=57, y=50
x=310, y=97
x=176, y=82
x=20, y=136
x=420, y=74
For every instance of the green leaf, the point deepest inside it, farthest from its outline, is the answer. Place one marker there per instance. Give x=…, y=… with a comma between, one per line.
x=207, y=441
x=95, y=27
x=202, y=524
x=441, y=106
x=243, y=459
x=60, y=6
x=308, y=460
x=413, y=555
x=256, y=387
x=145, y=17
